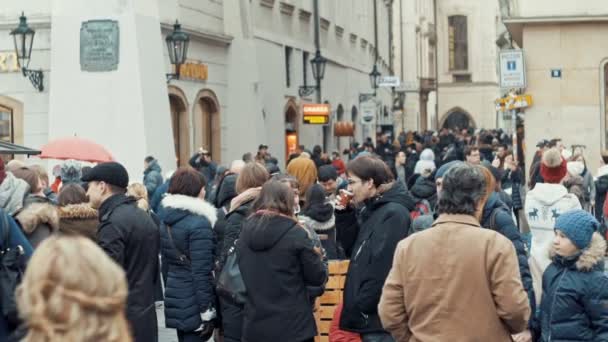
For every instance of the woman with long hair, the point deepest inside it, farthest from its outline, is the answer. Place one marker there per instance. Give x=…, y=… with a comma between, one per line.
x=140, y=193
x=72, y=291
x=278, y=261
x=248, y=186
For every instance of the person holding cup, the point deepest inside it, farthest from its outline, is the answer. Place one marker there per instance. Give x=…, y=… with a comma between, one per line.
x=370, y=225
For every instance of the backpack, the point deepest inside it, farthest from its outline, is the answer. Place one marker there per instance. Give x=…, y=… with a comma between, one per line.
x=12, y=268
x=423, y=207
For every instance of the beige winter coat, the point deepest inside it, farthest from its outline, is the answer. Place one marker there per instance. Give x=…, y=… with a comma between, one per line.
x=454, y=282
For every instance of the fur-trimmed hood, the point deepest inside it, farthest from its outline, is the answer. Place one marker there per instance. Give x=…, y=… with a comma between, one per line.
x=590, y=257
x=82, y=211
x=35, y=214
x=316, y=225
x=193, y=205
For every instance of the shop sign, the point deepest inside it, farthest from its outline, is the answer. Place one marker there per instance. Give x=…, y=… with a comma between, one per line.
x=8, y=62
x=194, y=71
x=516, y=102
x=316, y=113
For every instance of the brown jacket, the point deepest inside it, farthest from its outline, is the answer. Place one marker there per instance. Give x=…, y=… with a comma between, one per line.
x=454, y=282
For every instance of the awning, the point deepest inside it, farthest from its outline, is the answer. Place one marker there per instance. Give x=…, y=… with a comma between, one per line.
x=9, y=148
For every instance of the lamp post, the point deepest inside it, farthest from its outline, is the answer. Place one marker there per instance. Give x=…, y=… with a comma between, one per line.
x=23, y=36
x=177, y=45
x=374, y=77
x=318, y=62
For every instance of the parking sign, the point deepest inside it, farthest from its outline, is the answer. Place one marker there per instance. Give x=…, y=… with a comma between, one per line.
x=512, y=69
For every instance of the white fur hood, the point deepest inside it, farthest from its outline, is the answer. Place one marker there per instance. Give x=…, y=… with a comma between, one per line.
x=194, y=205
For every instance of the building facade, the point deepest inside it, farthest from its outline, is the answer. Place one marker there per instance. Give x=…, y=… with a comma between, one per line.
x=239, y=87
x=448, y=48
x=566, y=68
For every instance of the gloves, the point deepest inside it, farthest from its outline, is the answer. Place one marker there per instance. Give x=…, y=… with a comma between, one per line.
x=207, y=317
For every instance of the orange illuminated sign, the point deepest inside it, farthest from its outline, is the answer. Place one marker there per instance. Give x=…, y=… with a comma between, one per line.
x=316, y=114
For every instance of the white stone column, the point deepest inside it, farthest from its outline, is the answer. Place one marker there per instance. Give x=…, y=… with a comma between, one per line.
x=125, y=110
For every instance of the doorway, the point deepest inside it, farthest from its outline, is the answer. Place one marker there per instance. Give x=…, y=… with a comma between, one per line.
x=180, y=124
x=207, y=128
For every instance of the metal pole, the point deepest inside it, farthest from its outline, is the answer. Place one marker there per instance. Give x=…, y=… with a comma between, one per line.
x=375, y=31
x=436, y=66
x=317, y=45
x=514, y=130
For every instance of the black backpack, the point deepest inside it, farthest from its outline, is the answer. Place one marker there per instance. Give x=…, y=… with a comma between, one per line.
x=12, y=267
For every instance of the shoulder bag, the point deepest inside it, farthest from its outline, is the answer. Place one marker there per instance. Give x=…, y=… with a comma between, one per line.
x=12, y=267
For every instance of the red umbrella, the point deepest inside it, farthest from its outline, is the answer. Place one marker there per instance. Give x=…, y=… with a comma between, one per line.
x=75, y=148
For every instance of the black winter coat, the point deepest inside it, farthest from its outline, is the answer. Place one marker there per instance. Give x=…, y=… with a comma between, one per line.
x=504, y=224
x=383, y=221
x=575, y=293
x=320, y=218
x=601, y=188
x=189, y=290
x=277, y=262
x=225, y=193
x=232, y=230
x=425, y=189
x=514, y=181
x=130, y=237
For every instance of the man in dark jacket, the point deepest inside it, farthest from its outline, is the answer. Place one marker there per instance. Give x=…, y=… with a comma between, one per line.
x=153, y=177
x=382, y=220
x=130, y=237
x=601, y=187
x=497, y=216
x=202, y=162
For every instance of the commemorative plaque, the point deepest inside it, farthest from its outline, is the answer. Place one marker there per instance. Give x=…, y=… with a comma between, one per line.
x=99, y=45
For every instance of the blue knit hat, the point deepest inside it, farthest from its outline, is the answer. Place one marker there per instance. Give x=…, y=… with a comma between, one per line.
x=578, y=226
x=445, y=167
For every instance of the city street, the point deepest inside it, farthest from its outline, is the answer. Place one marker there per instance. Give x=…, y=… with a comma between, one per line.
x=164, y=334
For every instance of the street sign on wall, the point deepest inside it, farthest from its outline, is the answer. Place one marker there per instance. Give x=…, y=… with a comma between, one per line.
x=389, y=81
x=512, y=69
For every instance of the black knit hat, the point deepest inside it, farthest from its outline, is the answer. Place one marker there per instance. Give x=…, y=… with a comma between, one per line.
x=111, y=173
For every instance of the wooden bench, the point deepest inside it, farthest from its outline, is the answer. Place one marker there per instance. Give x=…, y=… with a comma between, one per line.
x=326, y=304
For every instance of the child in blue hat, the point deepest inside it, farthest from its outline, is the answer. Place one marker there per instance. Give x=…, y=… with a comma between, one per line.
x=574, y=305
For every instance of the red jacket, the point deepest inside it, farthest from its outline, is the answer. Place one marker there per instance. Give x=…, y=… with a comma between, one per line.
x=337, y=335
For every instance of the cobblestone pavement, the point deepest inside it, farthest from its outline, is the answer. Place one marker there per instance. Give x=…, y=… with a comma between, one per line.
x=164, y=334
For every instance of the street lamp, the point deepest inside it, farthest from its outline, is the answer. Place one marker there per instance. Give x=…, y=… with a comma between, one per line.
x=374, y=77
x=177, y=45
x=23, y=37
x=318, y=72
x=318, y=66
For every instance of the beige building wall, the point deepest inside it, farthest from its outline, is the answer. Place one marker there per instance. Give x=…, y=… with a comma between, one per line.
x=416, y=61
x=571, y=37
x=476, y=97
x=570, y=107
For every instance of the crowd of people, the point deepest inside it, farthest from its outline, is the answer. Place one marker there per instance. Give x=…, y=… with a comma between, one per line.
x=449, y=239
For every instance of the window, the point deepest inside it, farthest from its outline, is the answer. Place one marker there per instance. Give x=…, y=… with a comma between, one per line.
x=305, y=67
x=458, y=43
x=6, y=124
x=288, y=53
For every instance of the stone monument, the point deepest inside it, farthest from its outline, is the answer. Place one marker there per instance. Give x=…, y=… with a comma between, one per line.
x=108, y=79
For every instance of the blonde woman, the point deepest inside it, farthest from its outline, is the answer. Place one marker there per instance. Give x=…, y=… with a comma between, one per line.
x=139, y=192
x=59, y=304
